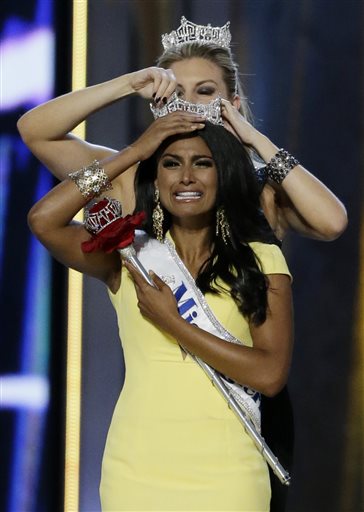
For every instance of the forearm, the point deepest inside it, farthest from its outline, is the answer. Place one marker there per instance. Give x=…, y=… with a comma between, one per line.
x=310, y=203
x=253, y=367
x=59, y=206
x=54, y=119
x=319, y=208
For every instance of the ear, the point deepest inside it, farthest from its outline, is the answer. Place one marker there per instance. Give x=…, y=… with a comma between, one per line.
x=236, y=101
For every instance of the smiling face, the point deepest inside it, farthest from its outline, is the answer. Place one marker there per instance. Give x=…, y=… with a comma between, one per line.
x=199, y=80
x=187, y=181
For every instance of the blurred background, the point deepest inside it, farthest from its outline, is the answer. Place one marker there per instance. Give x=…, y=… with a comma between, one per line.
x=302, y=65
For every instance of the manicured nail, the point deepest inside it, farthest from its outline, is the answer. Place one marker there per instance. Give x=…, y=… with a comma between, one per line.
x=157, y=100
x=153, y=95
x=164, y=100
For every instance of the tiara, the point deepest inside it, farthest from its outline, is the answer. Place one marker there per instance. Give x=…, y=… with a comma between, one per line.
x=210, y=111
x=102, y=214
x=189, y=32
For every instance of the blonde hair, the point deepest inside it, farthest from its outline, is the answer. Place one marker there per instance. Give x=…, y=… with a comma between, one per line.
x=221, y=57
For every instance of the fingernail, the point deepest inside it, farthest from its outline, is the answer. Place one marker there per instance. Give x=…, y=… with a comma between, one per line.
x=153, y=95
x=157, y=100
x=164, y=100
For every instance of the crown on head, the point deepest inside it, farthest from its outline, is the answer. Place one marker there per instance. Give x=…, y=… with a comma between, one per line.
x=210, y=111
x=189, y=32
x=102, y=214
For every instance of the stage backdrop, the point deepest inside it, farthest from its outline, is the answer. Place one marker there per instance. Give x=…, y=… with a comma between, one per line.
x=32, y=338
x=302, y=67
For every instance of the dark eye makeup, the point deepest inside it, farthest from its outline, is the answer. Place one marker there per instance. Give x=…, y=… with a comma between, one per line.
x=206, y=91
x=204, y=162
x=169, y=162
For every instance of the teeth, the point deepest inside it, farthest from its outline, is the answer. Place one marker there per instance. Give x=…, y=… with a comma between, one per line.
x=188, y=194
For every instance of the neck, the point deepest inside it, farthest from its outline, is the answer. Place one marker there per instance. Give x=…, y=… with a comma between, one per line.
x=193, y=244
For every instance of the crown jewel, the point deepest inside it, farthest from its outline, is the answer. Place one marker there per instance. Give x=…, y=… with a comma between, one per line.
x=210, y=111
x=102, y=214
x=189, y=32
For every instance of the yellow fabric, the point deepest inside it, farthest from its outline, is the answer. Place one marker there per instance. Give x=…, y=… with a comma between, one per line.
x=173, y=443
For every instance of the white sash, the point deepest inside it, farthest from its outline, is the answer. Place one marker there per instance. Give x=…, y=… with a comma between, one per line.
x=192, y=306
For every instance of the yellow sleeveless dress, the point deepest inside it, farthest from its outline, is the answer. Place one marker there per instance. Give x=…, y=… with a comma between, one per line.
x=173, y=444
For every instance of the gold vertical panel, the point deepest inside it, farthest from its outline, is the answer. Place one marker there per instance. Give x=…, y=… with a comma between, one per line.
x=353, y=467
x=74, y=332
x=352, y=482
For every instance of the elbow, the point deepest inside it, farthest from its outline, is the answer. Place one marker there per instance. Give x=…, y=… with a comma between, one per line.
x=273, y=385
x=336, y=227
x=25, y=130
x=268, y=385
x=37, y=222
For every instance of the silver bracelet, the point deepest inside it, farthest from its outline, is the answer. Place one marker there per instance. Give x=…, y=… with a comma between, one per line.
x=91, y=180
x=280, y=165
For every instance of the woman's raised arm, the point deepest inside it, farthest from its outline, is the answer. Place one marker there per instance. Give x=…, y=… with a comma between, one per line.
x=301, y=202
x=46, y=128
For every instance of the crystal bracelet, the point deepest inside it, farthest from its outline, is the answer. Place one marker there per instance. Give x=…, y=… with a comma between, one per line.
x=91, y=180
x=280, y=165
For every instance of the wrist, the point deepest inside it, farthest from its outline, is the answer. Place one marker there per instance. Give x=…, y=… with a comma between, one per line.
x=123, y=87
x=252, y=137
x=280, y=165
x=264, y=146
x=136, y=150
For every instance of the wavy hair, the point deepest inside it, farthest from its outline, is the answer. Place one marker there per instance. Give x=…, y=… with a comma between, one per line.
x=234, y=264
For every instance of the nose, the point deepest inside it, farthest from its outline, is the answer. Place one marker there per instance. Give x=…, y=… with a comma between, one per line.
x=187, y=175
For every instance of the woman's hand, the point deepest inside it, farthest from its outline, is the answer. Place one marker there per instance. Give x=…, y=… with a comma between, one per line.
x=237, y=124
x=164, y=127
x=157, y=303
x=153, y=82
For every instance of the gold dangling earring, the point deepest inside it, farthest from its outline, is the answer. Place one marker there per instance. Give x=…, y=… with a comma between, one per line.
x=222, y=225
x=158, y=217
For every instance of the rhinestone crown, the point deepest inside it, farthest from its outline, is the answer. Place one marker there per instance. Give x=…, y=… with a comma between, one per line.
x=210, y=111
x=96, y=221
x=189, y=32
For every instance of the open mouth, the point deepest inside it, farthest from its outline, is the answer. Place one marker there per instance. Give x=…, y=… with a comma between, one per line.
x=187, y=196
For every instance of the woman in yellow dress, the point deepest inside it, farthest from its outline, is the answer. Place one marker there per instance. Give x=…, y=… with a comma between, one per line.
x=173, y=443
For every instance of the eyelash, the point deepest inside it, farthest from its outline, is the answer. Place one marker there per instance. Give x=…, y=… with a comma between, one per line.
x=173, y=164
x=206, y=91
x=170, y=163
x=204, y=163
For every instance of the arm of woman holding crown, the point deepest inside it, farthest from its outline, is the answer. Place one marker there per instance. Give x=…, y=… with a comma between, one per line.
x=46, y=128
x=301, y=202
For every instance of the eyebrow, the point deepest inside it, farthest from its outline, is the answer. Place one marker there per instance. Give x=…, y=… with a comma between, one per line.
x=201, y=82
x=177, y=157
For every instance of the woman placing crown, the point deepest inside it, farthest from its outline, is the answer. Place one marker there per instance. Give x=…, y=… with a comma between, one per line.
x=196, y=64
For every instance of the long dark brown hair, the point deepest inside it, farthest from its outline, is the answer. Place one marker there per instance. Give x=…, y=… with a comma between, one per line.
x=234, y=263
